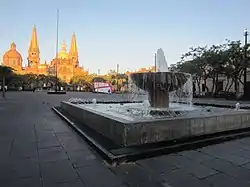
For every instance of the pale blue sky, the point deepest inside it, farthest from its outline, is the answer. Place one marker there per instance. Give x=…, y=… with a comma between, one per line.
x=127, y=32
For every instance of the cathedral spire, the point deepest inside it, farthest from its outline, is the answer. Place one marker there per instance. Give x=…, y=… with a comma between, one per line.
x=33, y=56
x=34, y=41
x=73, y=51
x=64, y=47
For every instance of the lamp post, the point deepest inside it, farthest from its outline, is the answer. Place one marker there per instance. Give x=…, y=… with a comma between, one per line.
x=155, y=63
x=57, y=24
x=57, y=89
x=245, y=63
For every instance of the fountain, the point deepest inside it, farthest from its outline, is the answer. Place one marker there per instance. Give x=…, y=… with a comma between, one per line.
x=161, y=115
x=159, y=84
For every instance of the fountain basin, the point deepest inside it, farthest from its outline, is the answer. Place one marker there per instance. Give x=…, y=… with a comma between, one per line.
x=128, y=131
x=159, y=84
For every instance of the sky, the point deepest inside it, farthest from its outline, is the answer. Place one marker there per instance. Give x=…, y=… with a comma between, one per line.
x=124, y=32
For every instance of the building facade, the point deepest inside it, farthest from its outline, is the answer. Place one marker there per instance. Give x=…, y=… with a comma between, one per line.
x=65, y=64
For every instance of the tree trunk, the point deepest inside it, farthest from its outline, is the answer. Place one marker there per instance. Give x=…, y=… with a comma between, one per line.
x=240, y=76
x=3, y=87
x=206, y=88
x=199, y=85
x=236, y=86
x=213, y=86
x=227, y=83
x=216, y=84
x=230, y=86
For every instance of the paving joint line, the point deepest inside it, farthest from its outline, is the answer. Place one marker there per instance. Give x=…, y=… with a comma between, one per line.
x=38, y=157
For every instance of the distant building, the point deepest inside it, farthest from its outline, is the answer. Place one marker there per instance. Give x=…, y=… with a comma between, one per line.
x=66, y=63
x=142, y=70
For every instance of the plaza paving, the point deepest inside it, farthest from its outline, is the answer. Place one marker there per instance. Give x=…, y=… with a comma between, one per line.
x=37, y=149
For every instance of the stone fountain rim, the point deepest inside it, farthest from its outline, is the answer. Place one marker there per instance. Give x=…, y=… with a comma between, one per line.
x=138, y=121
x=168, y=72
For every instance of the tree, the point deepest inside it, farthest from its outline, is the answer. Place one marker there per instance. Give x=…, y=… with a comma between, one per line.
x=80, y=81
x=198, y=62
x=17, y=81
x=218, y=60
x=5, y=71
x=98, y=79
x=235, y=54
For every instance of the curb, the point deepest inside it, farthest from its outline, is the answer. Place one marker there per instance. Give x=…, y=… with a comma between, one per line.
x=105, y=153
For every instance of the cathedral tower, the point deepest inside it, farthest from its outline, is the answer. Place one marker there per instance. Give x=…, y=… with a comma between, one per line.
x=34, y=53
x=73, y=51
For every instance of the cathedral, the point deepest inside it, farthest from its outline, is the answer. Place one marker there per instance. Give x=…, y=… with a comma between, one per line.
x=65, y=64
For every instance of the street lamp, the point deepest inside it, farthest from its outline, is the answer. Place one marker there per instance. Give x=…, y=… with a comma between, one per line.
x=245, y=63
x=155, y=63
x=57, y=24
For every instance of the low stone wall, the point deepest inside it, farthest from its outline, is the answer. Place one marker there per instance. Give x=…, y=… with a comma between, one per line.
x=104, y=125
x=169, y=129
x=129, y=133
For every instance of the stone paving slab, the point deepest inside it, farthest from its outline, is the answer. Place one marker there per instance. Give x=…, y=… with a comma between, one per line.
x=39, y=150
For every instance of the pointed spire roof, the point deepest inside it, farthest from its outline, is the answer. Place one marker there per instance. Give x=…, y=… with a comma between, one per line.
x=34, y=41
x=63, y=53
x=73, y=51
x=64, y=46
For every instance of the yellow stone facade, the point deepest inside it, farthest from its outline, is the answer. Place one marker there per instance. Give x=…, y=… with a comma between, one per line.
x=66, y=63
